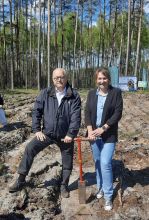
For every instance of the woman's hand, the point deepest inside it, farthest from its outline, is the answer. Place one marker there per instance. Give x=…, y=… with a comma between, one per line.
x=97, y=132
x=91, y=136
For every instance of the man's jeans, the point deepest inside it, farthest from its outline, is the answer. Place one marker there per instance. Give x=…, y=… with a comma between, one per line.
x=102, y=154
x=35, y=146
x=3, y=119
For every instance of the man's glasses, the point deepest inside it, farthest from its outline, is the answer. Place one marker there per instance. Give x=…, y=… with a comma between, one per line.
x=59, y=78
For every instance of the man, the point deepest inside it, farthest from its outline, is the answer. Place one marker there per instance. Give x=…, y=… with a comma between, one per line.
x=59, y=109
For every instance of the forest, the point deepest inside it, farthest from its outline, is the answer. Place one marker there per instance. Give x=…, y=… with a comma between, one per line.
x=36, y=36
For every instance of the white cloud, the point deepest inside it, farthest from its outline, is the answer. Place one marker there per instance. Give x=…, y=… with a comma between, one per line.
x=6, y=2
x=94, y=23
x=146, y=8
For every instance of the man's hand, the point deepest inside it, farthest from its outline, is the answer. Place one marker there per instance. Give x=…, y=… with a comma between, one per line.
x=40, y=136
x=67, y=139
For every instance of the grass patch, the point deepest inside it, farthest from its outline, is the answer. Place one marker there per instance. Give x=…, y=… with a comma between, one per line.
x=19, y=91
x=83, y=92
x=146, y=91
x=137, y=92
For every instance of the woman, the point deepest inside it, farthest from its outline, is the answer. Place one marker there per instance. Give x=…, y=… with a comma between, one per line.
x=103, y=111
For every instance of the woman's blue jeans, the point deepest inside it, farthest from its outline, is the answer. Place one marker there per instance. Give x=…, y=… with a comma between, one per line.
x=102, y=154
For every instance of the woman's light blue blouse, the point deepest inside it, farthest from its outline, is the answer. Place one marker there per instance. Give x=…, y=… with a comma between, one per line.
x=100, y=105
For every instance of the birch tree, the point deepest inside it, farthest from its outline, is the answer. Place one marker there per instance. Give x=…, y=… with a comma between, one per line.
x=139, y=34
x=128, y=37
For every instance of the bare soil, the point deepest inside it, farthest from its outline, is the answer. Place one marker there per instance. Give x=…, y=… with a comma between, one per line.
x=41, y=198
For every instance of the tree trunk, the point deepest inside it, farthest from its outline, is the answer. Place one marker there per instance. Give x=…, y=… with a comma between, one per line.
x=26, y=49
x=5, y=52
x=62, y=37
x=128, y=37
x=139, y=34
x=55, y=35
x=30, y=47
x=74, y=48
x=39, y=47
x=12, y=50
x=49, y=40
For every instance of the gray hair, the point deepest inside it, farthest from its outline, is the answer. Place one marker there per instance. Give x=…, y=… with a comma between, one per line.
x=62, y=70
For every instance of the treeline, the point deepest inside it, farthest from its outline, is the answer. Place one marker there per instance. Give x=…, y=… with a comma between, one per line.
x=37, y=36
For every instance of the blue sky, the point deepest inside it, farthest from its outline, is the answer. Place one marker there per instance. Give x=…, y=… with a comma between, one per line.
x=146, y=8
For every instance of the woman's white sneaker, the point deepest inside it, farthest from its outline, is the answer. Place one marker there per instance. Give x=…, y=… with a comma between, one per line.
x=99, y=195
x=108, y=205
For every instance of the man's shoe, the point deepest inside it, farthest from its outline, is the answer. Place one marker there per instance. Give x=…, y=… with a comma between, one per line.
x=64, y=191
x=99, y=194
x=108, y=205
x=16, y=186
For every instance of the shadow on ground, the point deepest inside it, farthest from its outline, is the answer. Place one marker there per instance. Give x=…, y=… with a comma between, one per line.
x=13, y=126
x=127, y=177
x=13, y=216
